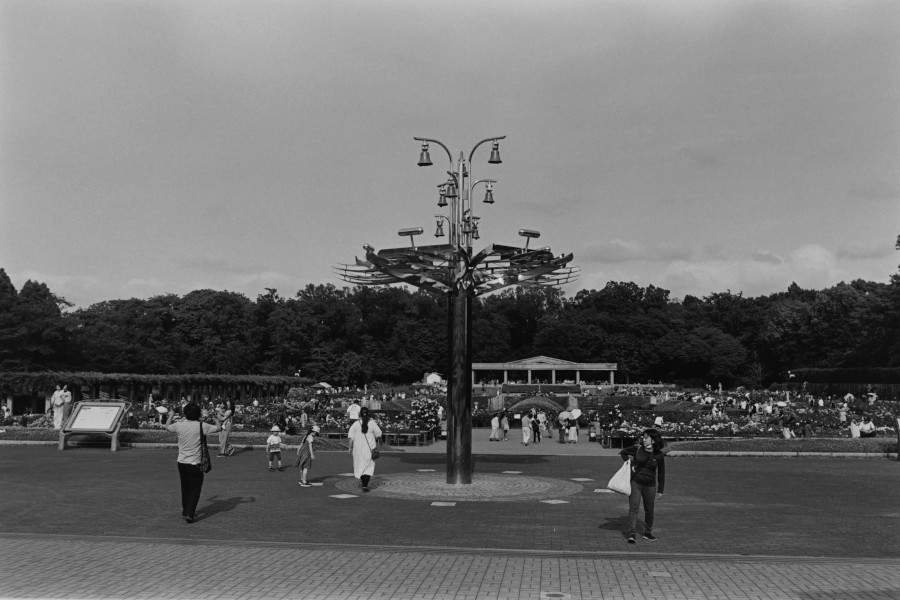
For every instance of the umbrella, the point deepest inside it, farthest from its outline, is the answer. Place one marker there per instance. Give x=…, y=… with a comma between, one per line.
x=162, y=410
x=782, y=404
x=575, y=413
x=563, y=416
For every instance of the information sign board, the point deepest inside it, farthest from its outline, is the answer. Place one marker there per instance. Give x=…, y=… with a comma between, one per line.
x=94, y=417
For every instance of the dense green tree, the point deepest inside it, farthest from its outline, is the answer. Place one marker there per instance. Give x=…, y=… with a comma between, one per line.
x=357, y=335
x=41, y=332
x=10, y=330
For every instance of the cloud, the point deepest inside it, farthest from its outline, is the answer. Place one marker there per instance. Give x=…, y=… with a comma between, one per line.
x=761, y=273
x=143, y=288
x=866, y=250
x=699, y=157
x=764, y=256
x=619, y=251
x=876, y=190
x=218, y=265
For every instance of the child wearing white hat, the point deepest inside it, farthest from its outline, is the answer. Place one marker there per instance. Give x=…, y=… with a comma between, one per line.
x=273, y=447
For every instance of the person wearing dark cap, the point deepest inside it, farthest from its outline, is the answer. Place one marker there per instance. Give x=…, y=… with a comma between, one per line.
x=648, y=480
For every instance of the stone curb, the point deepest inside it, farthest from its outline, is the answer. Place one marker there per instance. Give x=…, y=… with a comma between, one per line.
x=891, y=455
x=673, y=453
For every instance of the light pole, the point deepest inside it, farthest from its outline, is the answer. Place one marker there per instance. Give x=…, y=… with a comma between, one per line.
x=453, y=271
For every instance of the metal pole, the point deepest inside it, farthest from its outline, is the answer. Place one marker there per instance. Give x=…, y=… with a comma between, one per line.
x=459, y=422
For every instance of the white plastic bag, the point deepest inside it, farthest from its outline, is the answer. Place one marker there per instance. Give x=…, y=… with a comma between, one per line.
x=621, y=481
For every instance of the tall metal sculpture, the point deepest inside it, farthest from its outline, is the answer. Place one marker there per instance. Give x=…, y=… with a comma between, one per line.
x=453, y=271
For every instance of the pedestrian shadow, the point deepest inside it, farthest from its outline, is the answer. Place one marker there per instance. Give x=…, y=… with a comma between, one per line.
x=620, y=524
x=440, y=459
x=217, y=505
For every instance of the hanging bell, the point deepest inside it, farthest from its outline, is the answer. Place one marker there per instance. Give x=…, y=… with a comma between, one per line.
x=489, y=196
x=495, y=154
x=450, y=189
x=442, y=202
x=440, y=229
x=424, y=156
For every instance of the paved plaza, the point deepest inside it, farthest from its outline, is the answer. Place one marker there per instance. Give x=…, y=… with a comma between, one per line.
x=536, y=523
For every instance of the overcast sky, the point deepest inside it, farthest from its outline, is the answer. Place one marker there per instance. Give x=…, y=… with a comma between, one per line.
x=700, y=146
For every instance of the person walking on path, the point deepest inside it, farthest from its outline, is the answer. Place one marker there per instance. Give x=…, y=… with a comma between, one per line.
x=648, y=480
x=495, y=429
x=364, y=436
x=504, y=423
x=306, y=454
x=189, y=472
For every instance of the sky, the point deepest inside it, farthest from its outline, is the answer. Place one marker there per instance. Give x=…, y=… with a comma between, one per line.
x=154, y=147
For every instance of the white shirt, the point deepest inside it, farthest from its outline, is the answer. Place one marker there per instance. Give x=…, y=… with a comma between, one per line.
x=273, y=443
x=353, y=411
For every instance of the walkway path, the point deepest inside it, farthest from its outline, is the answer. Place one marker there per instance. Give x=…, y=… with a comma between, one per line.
x=90, y=523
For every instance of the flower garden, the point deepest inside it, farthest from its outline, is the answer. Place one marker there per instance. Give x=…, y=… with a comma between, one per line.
x=616, y=420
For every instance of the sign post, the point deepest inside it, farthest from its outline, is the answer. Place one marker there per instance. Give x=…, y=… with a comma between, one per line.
x=94, y=417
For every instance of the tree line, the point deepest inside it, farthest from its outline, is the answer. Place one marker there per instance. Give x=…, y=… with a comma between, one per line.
x=359, y=335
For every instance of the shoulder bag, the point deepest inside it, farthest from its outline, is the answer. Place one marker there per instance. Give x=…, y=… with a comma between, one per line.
x=375, y=452
x=621, y=481
x=205, y=461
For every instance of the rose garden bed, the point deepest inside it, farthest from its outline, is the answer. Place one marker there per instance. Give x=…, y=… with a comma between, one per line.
x=878, y=445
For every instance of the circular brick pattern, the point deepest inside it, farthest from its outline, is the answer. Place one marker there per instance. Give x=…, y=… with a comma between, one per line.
x=485, y=487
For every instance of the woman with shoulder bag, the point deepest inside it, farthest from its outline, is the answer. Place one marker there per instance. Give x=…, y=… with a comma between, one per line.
x=648, y=480
x=189, y=455
x=364, y=437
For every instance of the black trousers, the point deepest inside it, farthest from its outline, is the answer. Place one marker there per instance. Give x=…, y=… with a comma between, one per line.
x=191, y=483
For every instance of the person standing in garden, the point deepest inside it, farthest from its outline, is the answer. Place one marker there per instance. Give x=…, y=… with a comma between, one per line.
x=648, y=480
x=353, y=411
x=226, y=416
x=526, y=429
x=189, y=472
x=535, y=428
x=273, y=448
x=56, y=402
x=67, y=403
x=867, y=427
x=364, y=436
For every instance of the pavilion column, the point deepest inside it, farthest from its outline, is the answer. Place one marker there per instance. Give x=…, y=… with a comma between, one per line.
x=529, y=376
x=553, y=376
x=612, y=378
x=505, y=377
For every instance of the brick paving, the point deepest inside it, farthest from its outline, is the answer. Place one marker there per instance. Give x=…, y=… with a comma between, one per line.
x=90, y=523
